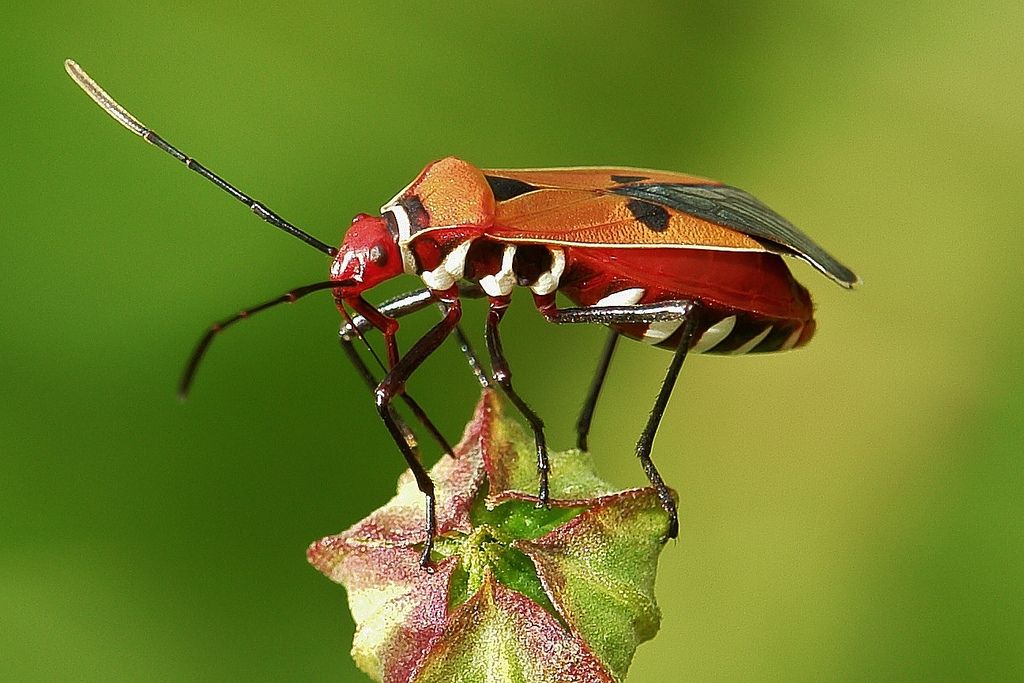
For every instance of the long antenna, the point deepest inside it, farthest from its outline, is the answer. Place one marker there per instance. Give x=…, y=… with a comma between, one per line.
x=204, y=342
x=125, y=118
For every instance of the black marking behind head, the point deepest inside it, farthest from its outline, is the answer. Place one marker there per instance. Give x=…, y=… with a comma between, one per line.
x=391, y=222
x=418, y=216
x=507, y=188
x=622, y=179
x=654, y=216
x=734, y=208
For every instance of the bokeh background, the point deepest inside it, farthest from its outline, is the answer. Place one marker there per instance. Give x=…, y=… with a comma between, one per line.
x=851, y=511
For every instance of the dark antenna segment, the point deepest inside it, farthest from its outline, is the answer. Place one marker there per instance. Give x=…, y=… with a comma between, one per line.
x=204, y=343
x=125, y=118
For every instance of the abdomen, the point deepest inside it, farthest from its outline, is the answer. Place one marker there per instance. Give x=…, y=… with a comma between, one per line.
x=749, y=301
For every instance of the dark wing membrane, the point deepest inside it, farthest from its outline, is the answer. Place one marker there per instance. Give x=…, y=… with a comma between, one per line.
x=737, y=209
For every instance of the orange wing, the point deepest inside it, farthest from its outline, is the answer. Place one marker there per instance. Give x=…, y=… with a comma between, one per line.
x=587, y=218
x=637, y=208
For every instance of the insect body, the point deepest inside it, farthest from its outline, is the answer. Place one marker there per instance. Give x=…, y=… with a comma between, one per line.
x=670, y=259
x=608, y=237
x=674, y=260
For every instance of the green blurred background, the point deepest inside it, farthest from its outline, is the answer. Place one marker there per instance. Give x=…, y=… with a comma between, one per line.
x=851, y=511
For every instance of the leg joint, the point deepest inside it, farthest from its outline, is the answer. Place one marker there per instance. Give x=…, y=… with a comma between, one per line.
x=382, y=399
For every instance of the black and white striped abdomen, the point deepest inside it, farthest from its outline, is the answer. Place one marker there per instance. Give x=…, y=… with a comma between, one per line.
x=742, y=333
x=722, y=332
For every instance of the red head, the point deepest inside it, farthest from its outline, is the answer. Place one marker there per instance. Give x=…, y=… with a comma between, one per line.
x=368, y=256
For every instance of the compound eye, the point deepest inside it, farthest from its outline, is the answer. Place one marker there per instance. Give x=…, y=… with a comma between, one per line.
x=377, y=255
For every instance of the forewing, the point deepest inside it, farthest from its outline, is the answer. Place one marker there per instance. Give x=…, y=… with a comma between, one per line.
x=740, y=210
x=636, y=208
x=585, y=217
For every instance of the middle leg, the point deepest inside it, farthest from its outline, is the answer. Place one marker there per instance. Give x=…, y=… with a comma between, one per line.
x=587, y=411
x=502, y=375
x=397, y=307
x=393, y=385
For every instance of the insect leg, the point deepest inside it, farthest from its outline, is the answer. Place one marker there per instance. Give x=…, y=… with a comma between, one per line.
x=587, y=412
x=415, y=301
x=397, y=307
x=393, y=384
x=645, y=313
x=471, y=357
x=611, y=315
x=367, y=375
x=503, y=376
x=646, y=442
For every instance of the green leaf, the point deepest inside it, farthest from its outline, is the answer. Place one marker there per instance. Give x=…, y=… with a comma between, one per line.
x=499, y=636
x=523, y=519
x=600, y=569
x=517, y=592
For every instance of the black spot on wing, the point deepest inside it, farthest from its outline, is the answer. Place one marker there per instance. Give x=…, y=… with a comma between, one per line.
x=734, y=208
x=654, y=216
x=622, y=179
x=507, y=188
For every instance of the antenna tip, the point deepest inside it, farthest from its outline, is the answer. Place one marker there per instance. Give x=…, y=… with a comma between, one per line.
x=78, y=75
x=74, y=70
x=93, y=90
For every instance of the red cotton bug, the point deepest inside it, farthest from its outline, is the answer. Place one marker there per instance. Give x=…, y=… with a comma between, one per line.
x=674, y=260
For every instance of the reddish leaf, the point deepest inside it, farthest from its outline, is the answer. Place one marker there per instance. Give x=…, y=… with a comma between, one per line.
x=515, y=593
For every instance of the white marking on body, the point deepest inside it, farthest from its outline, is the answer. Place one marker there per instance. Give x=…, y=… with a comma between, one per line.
x=792, y=339
x=404, y=234
x=714, y=335
x=749, y=346
x=452, y=268
x=402, y=219
x=501, y=283
x=455, y=261
x=438, y=279
x=548, y=280
x=625, y=297
x=661, y=330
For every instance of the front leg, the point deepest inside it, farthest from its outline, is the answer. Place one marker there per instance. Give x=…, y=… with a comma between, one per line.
x=502, y=375
x=413, y=302
x=393, y=384
x=387, y=326
x=413, y=405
